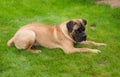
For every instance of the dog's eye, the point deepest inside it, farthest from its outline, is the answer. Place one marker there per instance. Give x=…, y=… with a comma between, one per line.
x=83, y=29
x=78, y=31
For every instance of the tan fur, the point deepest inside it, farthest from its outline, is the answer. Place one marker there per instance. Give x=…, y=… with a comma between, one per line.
x=10, y=41
x=46, y=36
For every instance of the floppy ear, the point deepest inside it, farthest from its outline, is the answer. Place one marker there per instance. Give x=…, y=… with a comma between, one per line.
x=84, y=21
x=70, y=25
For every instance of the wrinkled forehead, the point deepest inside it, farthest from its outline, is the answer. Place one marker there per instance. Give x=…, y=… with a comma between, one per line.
x=77, y=20
x=78, y=23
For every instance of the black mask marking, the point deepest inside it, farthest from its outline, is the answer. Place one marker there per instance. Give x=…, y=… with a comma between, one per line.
x=84, y=21
x=70, y=25
x=79, y=35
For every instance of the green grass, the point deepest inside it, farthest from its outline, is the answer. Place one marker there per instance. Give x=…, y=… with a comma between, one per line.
x=53, y=62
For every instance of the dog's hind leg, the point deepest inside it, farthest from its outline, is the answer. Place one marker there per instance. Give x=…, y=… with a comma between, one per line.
x=34, y=51
x=24, y=40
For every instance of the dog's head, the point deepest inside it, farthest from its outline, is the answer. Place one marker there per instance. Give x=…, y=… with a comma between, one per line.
x=76, y=28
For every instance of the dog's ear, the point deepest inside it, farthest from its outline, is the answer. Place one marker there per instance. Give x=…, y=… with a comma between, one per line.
x=84, y=21
x=70, y=25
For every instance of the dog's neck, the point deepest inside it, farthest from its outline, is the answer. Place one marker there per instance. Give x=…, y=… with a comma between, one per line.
x=65, y=32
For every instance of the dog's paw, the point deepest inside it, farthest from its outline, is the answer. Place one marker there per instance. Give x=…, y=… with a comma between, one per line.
x=35, y=51
x=95, y=51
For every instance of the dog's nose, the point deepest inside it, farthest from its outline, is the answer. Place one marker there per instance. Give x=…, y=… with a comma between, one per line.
x=84, y=36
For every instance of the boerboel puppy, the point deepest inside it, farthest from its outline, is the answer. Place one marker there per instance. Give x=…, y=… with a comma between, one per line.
x=62, y=36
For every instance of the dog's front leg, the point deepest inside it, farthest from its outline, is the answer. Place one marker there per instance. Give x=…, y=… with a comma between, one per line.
x=93, y=43
x=72, y=50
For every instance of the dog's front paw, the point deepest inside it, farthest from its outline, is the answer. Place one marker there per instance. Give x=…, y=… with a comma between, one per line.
x=95, y=51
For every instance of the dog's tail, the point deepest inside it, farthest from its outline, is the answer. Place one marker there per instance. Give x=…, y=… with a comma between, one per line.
x=10, y=41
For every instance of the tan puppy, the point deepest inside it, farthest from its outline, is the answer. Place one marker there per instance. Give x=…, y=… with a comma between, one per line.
x=63, y=36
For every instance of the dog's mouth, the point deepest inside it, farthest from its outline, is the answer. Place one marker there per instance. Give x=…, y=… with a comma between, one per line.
x=79, y=37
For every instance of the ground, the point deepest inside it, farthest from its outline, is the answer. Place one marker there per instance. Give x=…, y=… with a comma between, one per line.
x=113, y=3
x=105, y=23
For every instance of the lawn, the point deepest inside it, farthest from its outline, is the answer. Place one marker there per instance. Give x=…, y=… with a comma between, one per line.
x=53, y=62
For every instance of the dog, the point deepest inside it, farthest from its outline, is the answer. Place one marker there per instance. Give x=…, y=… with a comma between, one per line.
x=63, y=36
